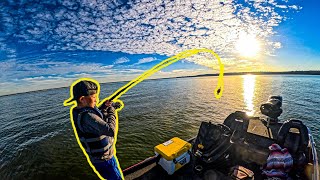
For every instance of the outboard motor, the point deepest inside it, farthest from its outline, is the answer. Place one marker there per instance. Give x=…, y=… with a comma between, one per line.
x=272, y=108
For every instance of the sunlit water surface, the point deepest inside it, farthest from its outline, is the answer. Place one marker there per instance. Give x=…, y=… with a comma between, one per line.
x=37, y=140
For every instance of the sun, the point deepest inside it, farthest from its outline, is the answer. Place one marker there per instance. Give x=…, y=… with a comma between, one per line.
x=247, y=45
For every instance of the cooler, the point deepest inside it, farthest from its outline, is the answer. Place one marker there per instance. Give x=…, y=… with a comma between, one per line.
x=174, y=154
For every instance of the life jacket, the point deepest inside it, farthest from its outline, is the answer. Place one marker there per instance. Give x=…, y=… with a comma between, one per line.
x=95, y=145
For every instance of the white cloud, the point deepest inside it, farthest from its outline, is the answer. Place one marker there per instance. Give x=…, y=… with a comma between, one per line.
x=295, y=7
x=125, y=71
x=181, y=72
x=145, y=60
x=178, y=70
x=107, y=66
x=18, y=69
x=121, y=60
x=277, y=45
x=38, y=81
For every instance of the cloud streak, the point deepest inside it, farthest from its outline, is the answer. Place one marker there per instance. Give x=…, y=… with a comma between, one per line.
x=145, y=60
x=121, y=60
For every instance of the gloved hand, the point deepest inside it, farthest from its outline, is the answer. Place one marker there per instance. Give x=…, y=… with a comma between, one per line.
x=116, y=105
x=105, y=105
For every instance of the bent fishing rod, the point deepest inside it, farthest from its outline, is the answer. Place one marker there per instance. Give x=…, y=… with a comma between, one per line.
x=188, y=53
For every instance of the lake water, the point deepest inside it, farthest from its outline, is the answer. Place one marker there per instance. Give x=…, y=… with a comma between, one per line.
x=37, y=140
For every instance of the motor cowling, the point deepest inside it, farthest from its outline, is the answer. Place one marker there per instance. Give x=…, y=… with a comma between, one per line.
x=272, y=108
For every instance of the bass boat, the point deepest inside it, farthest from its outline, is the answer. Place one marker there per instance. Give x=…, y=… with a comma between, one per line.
x=242, y=147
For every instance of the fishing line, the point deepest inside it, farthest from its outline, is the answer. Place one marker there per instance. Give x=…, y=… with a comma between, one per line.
x=218, y=90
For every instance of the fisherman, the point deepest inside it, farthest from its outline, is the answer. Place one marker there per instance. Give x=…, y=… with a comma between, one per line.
x=96, y=128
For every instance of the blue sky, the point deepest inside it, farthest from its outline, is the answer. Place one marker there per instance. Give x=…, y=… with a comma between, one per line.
x=49, y=44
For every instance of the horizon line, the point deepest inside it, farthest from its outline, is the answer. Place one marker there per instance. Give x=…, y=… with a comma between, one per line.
x=296, y=72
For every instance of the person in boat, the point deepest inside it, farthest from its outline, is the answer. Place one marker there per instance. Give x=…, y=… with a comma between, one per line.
x=96, y=129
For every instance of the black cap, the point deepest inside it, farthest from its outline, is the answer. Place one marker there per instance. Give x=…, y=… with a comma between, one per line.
x=83, y=88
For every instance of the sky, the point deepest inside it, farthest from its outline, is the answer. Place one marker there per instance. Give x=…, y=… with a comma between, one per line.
x=49, y=44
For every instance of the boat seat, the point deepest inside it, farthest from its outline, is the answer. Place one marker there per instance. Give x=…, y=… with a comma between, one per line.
x=236, y=119
x=293, y=135
x=291, y=142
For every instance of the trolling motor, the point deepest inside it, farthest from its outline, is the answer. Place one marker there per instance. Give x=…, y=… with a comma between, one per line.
x=272, y=108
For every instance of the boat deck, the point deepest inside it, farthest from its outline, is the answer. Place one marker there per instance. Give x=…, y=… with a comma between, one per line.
x=249, y=149
x=259, y=127
x=154, y=171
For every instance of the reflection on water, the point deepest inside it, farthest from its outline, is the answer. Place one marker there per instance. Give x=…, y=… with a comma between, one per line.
x=248, y=92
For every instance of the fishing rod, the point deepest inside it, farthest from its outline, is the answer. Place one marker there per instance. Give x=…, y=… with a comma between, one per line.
x=116, y=95
x=217, y=92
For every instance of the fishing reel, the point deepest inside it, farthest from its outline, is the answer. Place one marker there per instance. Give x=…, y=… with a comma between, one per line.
x=272, y=108
x=116, y=105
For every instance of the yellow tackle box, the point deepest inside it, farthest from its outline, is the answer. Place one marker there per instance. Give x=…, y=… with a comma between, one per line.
x=174, y=154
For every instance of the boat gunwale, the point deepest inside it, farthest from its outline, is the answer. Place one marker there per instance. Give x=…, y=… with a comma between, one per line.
x=315, y=174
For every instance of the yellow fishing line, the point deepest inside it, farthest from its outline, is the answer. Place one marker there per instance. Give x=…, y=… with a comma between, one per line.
x=218, y=90
x=116, y=95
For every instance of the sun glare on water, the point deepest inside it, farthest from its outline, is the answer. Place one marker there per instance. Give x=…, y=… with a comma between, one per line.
x=247, y=45
x=248, y=92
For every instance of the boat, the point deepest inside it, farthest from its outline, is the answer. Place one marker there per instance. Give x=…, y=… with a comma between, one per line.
x=240, y=141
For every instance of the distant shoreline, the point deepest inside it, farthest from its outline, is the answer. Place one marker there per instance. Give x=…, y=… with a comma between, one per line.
x=204, y=75
x=251, y=73
x=261, y=73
